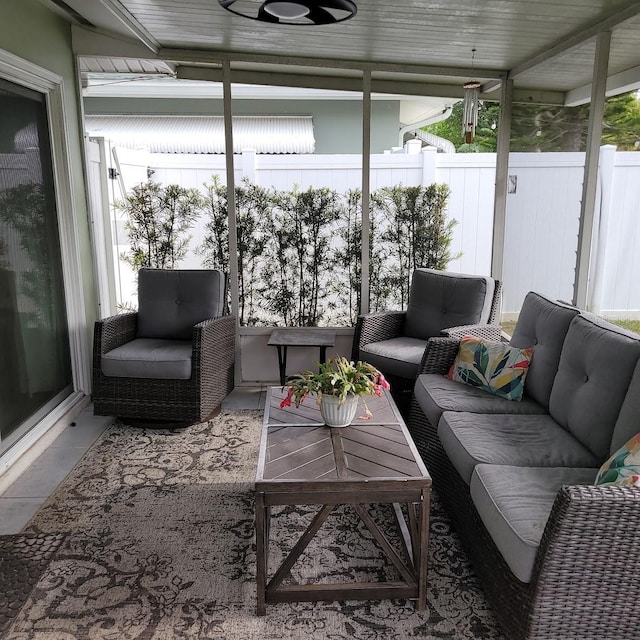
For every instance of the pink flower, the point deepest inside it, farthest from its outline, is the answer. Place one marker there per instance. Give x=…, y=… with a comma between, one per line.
x=287, y=401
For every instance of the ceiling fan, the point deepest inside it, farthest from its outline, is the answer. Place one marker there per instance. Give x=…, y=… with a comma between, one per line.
x=303, y=12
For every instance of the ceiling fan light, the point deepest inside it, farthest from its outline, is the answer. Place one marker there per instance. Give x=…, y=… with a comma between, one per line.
x=286, y=10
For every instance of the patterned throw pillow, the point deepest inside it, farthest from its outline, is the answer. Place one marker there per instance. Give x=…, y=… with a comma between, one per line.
x=623, y=467
x=495, y=367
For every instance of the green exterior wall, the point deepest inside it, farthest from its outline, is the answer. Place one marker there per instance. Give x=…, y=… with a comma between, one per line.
x=32, y=32
x=337, y=124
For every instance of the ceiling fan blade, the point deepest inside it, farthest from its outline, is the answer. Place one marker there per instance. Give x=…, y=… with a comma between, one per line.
x=342, y=5
x=265, y=16
x=318, y=15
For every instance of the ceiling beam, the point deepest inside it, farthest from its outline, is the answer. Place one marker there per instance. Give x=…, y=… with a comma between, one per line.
x=623, y=82
x=131, y=24
x=631, y=10
x=196, y=56
x=96, y=43
x=335, y=83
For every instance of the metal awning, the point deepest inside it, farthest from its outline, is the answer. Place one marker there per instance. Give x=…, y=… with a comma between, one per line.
x=205, y=134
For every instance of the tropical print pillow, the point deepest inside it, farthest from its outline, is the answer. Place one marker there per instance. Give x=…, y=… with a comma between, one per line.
x=495, y=367
x=623, y=467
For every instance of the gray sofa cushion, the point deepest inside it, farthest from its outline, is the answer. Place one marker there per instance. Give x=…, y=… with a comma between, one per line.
x=436, y=394
x=398, y=356
x=528, y=441
x=596, y=365
x=542, y=324
x=514, y=504
x=171, y=302
x=440, y=299
x=628, y=422
x=149, y=358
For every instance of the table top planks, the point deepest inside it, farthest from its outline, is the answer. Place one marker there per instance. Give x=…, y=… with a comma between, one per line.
x=298, y=452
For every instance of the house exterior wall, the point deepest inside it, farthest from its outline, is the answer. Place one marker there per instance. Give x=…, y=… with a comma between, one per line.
x=32, y=32
x=337, y=124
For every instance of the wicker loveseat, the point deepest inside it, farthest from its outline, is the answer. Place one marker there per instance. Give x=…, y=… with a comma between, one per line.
x=558, y=557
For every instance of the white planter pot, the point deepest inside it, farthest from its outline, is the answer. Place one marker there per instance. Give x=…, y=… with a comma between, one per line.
x=336, y=414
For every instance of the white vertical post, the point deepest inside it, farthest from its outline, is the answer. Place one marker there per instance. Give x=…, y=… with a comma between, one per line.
x=502, y=171
x=429, y=155
x=602, y=221
x=231, y=205
x=249, y=164
x=589, y=185
x=366, y=188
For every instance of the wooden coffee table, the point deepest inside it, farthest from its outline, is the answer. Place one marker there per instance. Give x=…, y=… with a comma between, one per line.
x=303, y=462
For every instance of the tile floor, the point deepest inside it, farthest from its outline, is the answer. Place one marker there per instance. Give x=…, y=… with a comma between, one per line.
x=27, y=493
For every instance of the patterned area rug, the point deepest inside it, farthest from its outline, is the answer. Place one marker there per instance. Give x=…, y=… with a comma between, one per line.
x=159, y=544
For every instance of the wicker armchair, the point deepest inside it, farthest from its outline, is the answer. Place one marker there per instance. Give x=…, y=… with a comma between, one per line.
x=172, y=360
x=586, y=569
x=440, y=303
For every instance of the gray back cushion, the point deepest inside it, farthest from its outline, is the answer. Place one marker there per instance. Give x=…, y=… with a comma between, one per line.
x=171, y=302
x=596, y=365
x=628, y=422
x=543, y=325
x=439, y=299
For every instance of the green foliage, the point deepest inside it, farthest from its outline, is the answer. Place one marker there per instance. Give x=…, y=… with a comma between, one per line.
x=545, y=127
x=413, y=232
x=24, y=209
x=299, y=252
x=157, y=223
x=302, y=229
x=338, y=377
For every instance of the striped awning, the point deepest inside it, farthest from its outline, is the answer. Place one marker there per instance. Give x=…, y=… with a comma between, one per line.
x=205, y=134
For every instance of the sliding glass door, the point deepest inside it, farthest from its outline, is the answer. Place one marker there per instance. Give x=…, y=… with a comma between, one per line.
x=35, y=363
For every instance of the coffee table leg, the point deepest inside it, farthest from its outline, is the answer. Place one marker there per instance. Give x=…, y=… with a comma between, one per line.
x=323, y=355
x=262, y=527
x=282, y=363
x=421, y=605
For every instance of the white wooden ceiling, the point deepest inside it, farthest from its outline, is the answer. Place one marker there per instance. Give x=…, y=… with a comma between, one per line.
x=432, y=38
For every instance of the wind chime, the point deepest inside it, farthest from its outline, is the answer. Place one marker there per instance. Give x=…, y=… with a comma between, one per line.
x=470, y=106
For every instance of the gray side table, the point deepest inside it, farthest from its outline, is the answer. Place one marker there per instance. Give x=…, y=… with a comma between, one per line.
x=300, y=337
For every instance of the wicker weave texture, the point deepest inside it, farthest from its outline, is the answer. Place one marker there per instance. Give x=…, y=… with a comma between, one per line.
x=584, y=584
x=159, y=399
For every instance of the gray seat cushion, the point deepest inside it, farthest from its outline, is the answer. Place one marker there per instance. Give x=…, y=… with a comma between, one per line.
x=596, y=366
x=521, y=440
x=399, y=356
x=436, y=394
x=543, y=325
x=440, y=299
x=514, y=504
x=149, y=358
x=171, y=302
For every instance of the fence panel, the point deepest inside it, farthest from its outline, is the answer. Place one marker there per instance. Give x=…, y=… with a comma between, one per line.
x=542, y=215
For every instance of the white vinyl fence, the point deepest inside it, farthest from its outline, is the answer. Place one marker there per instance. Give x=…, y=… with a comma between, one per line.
x=543, y=209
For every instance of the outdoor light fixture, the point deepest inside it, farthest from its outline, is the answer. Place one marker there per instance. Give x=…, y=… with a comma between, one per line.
x=303, y=12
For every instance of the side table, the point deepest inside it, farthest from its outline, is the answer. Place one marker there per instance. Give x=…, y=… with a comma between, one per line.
x=300, y=337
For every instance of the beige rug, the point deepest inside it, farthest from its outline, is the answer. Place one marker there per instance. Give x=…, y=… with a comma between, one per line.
x=160, y=545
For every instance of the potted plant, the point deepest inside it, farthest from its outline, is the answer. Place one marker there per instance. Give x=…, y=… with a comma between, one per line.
x=337, y=386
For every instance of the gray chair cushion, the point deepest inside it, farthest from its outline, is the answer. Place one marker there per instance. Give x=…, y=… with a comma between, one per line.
x=514, y=504
x=596, y=365
x=149, y=358
x=171, y=302
x=628, y=422
x=399, y=356
x=528, y=441
x=436, y=394
x=439, y=299
x=543, y=325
